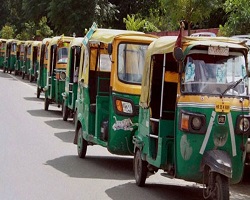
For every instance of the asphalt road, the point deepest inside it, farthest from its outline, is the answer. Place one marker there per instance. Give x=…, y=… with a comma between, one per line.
x=39, y=160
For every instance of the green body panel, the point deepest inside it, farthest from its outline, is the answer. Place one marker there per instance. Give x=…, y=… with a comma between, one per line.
x=42, y=77
x=71, y=94
x=12, y=62
x=119, y=139
x=1, y=61
x=55, y=90
x=188, y=146
x=19, y=64
x=26, y=66
x=181, y=150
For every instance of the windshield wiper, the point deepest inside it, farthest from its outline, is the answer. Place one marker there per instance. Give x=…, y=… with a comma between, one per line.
x=233, y=85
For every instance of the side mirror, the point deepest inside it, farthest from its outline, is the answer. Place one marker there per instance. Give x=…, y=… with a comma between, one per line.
x=178, y=54
x=110, y=48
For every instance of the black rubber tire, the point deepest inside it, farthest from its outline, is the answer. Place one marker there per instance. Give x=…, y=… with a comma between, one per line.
x=65, y=112
x=81, y=144
x=140, y=169
x=221, y=190
x=38, y=92
x=46, y=103
x=23, y=75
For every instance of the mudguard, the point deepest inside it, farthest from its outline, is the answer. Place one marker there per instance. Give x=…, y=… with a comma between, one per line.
x=218, y=161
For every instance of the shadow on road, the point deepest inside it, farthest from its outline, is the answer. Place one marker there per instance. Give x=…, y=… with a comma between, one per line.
x=33, y=99
x=60, y=124
x=67, y=136
x=154, y=191
x=95, y=167
x=43, y=113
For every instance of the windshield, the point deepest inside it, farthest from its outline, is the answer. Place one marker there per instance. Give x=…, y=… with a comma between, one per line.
x=209, y=74
x=131, y=58
x=62, y=55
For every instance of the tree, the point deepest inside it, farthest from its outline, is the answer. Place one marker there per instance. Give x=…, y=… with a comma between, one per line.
x=71, y=16
x=44, y=30
x=192, y=11
x=8, y=32
x=238, y=22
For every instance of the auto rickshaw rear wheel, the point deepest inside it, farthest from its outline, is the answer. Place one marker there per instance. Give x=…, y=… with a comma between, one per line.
x=140, y=169
x=46, y=103
x=38, y=92
x=65, y=112
x=23, y=75
x=81, y=144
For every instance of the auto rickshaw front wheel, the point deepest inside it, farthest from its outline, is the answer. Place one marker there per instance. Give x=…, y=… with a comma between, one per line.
x=38, y=92
x=218, y=187
x=140, y=169
x=81, y=144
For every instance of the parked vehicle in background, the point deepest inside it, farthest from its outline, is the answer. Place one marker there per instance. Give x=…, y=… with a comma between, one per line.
x=2, y=52
x=194, y=114
x=76, y=49
x=43, y=69
x=27, y=59
x=203, y=34
x=56, y=74
x=10, y=55
x=20, y=57
x=109, y=88
x=34, y=60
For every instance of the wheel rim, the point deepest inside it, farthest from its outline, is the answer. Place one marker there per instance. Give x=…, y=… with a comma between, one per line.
x=79, y=142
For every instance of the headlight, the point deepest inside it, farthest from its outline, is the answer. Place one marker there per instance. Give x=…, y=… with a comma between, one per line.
x=62, y=75
x=192, y=122
x=196, y=123
x=244, y=124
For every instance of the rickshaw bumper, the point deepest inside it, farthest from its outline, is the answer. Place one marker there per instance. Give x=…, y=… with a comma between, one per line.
x=218, y=161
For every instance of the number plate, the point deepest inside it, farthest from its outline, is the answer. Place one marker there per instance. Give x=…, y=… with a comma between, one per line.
x=222, y=107
x=221, y=51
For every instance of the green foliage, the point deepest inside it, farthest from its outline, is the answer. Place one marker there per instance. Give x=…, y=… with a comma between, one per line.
x=8, y=32
x=44, y=30
x=192, y=11
x=134, y=24
x=238, y=18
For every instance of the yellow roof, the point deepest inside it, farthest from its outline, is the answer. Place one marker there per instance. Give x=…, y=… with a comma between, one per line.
x=45, y=40
x=77, y=41
x=36, y=43
x=108, y=35
x=62, y=38
x=214, y=41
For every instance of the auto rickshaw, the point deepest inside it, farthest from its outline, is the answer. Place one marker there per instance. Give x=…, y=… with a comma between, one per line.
x=42, y=71
x=10, y=55
x=194, y=114
x=2, y=52
x=108, y=90
x=27, y=59
x=71, y=84
x=34, y=60
x=56, y=75
x=20, y=57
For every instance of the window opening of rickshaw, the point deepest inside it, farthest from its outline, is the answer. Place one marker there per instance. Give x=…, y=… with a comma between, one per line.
x=131, y=59
x=62, y=55
x=215, y=74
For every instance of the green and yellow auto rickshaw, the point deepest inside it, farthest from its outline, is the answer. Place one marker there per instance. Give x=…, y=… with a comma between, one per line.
x=27, y=59
x=76, y=49
x=2, y=52
x=10, y=55
x=19, y=57
x=34, y=60
x=194, y=114
x=43, y=63
x=56, y=75
x=108, y=90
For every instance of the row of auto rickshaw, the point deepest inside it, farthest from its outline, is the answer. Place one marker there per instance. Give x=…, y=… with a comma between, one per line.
x=183, y=109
